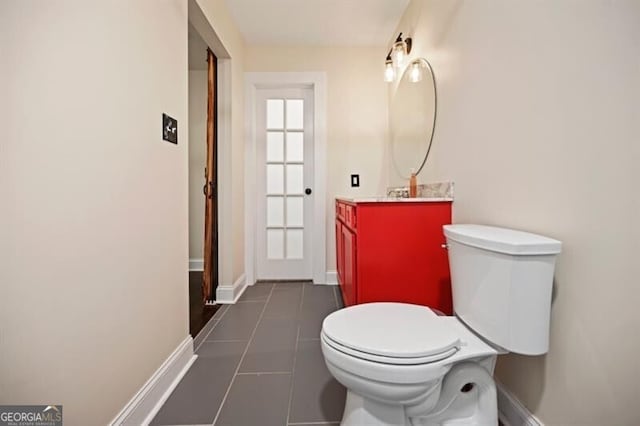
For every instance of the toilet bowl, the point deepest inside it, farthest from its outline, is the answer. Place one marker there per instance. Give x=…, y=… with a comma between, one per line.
x=394, y=359
x=404, y=365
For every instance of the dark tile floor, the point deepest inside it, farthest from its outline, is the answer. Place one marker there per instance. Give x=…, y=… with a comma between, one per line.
x=199, y=313
x=259, y=363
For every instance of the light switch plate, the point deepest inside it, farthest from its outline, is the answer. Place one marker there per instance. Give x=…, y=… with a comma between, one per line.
x=169, y=129
x=355, y=181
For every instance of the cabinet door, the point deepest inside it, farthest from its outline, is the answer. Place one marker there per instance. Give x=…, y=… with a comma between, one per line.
x=406, y=265
x=339, y=252
x=350, y=279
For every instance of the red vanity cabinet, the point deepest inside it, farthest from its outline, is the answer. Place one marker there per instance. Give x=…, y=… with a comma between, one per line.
x=392, y=251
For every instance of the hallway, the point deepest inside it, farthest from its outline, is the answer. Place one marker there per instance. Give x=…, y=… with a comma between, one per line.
x=199, y=313
x=259, y=363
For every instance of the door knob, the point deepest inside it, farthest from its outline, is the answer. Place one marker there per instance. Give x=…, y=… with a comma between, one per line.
x=308, y=191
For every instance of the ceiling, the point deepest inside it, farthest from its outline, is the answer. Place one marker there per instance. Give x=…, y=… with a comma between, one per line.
x=317, y=22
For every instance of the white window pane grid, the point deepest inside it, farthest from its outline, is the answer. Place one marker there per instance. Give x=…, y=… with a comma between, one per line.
x=275, y=179
x=295, y=243
x=275, y=244
x=275, y=147
x=295, y=178
x=295, y=113
x=295, y=212
x=275, y=113
x=295, y=147
x=275, y=211
x=285, y=179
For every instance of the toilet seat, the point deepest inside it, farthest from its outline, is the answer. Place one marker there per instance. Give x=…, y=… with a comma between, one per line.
x=388, y=360
x=391, y=333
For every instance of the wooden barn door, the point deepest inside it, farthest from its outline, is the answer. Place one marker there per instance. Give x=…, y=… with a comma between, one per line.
x=210, y=274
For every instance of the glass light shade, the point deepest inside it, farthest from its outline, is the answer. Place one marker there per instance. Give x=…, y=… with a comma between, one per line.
x=415, y=75
x=389, y=72
x=399, y=53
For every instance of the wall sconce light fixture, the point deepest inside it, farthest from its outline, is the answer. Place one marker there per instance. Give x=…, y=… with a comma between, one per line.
x=389, y=70
x=401, y=48
x=396, y=57
x=415, y=74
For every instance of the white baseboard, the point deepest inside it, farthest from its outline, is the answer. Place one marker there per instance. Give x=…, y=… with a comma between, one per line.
x=196, y=264
x=146, y=403
x=332, y=277
x=229, y=294
x=511, y=411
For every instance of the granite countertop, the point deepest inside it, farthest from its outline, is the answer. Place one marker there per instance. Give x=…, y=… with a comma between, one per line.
x=395, y=199
x=436, y=192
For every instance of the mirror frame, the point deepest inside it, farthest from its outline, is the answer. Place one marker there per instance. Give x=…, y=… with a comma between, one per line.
x=425, y=64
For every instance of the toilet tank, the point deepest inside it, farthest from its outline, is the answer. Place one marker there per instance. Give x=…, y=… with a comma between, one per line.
x=501, y=283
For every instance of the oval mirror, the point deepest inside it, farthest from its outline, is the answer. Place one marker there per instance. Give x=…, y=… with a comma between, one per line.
x=412, y=118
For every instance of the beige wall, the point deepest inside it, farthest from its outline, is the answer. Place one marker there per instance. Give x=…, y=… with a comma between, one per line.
x=356, y=116
x=538, y=127
x=94, y=242
x=197, y=159
x=231, y=144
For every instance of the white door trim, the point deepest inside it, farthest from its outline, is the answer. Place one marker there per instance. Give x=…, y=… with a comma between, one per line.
x=263, y=80
x=202, y=25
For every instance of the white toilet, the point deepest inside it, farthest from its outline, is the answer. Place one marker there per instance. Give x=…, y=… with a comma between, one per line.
x=404, y=365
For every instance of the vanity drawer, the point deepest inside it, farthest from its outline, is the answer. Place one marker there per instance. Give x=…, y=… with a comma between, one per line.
x=340, y=211
x=346, y=213
x=350, y=216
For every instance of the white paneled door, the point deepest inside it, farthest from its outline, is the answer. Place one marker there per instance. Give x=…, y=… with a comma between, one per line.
x=284, y=142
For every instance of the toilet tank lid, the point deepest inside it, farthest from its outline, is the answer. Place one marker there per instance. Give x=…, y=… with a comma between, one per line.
x=502, y=240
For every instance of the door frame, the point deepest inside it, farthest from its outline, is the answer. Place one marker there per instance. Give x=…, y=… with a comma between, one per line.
x=203, y=26
x=317, y=82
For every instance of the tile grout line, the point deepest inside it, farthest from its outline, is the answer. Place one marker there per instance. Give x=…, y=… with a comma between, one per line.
x=235, y=374
x=295, y=353
x=205, y=332
x=204, y=339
